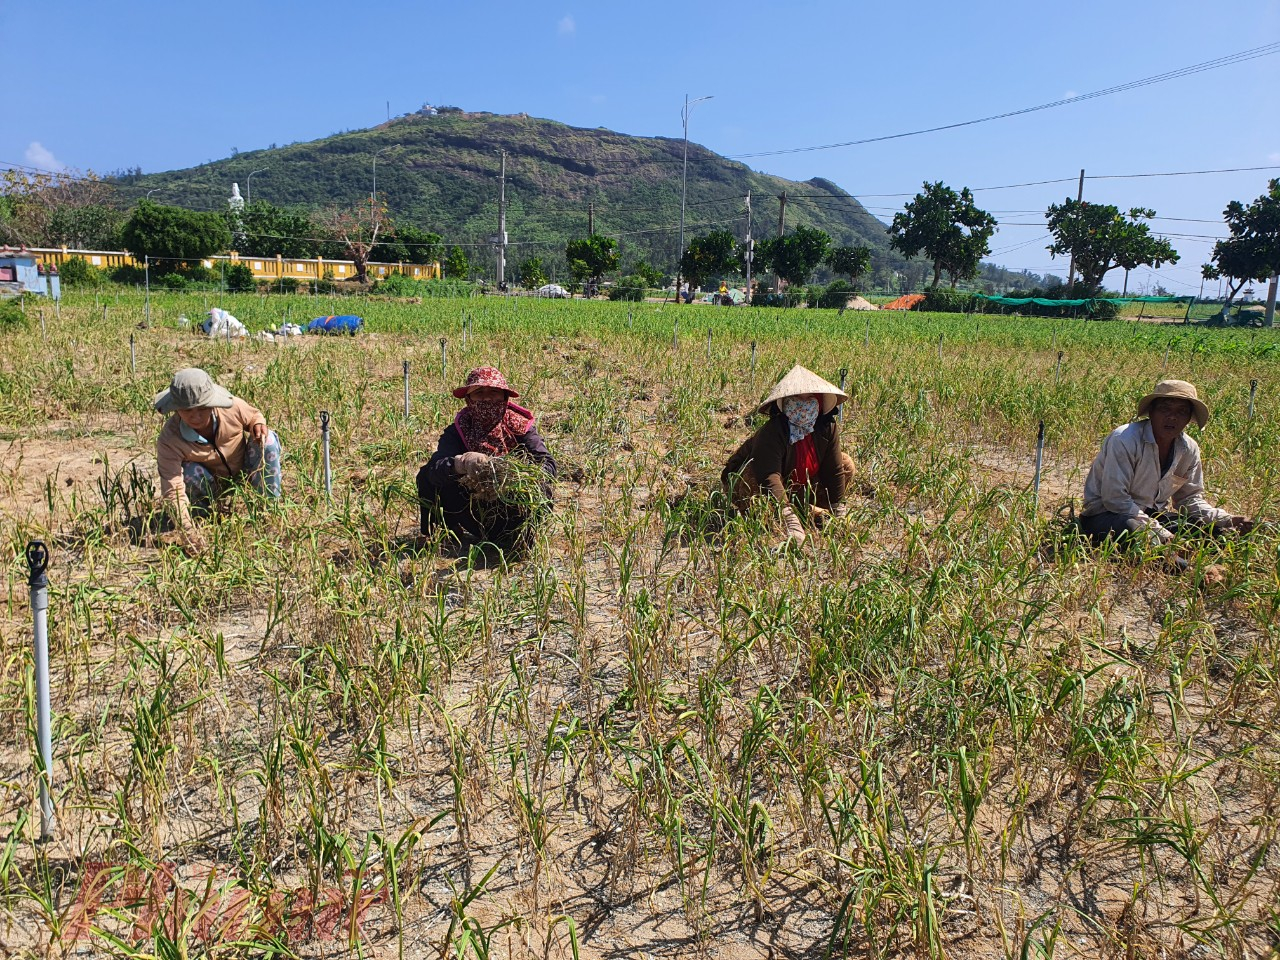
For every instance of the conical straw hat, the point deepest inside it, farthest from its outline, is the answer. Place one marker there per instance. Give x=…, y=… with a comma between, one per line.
x=799, y=382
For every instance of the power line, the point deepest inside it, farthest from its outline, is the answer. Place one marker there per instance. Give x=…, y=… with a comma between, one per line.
x=1230, y=59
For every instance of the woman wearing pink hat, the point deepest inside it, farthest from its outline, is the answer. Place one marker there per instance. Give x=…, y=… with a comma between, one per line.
x=451, y=486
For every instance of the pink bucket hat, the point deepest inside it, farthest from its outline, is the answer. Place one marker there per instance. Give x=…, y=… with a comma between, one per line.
x=484, y=377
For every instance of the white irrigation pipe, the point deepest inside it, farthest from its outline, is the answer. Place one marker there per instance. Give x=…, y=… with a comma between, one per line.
x=324, y=443
x=844, y=372
x=133, y=356
x=38, y=562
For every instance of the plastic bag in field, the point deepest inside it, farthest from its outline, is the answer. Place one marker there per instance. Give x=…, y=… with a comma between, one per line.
x=346, y=323
x=219, y=323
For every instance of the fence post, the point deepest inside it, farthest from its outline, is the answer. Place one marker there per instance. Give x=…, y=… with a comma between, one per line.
x=38, y=563
x=1035, y=496
x=324, y=443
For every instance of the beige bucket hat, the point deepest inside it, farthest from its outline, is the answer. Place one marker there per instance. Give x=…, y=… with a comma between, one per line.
x=191, y=388
x=1175, y=390
x=799, y=382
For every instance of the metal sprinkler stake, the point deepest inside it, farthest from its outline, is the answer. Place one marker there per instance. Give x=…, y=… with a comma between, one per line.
x=675, y=335
x=1057, y=372
x=1253, y=392
x=1035, y=486
x=940, y=336
x=324, y=443
x=444, y=359
x=38, y=563
x=753, y=364
x=708, y=345
x=844, y=372
x=1164, y=365
x=133, y=356
x=406, y=390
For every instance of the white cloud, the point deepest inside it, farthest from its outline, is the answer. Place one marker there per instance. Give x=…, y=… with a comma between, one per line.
x=39, y=156
x=566, y=27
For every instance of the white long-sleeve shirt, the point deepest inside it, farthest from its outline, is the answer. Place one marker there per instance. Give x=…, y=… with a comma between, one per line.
x=1126, y=478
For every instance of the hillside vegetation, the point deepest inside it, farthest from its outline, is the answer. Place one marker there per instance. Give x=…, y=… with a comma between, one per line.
x=441, y=173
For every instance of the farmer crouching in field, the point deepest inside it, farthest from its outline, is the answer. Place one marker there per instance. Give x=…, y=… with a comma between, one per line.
x=490, y=477
x=796, y=455
x=1147, y=481
x=211, y=439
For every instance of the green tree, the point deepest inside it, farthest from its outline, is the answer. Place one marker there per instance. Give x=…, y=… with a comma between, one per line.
x=948, y=227
x=709, y=256
x=1102, y=238
x=532, y=273
x=92, y=227
x=456, y=265
x=266, y=230
x=1252, y=252
x=172, y=235
x=409, y=244
x=852, y=262
x=793, y=256
x=651, y=276
x=592, y=258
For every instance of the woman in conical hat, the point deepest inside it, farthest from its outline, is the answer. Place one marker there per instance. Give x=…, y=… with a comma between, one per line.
x=796, y=454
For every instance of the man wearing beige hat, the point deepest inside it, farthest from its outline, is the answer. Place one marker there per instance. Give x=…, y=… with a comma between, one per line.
x=210, y=438
x=1147, y=479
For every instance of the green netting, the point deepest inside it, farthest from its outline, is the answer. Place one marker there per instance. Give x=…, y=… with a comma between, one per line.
x=1042, y=302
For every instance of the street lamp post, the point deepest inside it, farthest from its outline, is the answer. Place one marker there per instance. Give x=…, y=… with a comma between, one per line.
x=374, y=195
x=248, y=189
x=684, y=182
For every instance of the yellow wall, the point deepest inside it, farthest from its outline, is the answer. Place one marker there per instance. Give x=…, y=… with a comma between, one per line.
x=263, y=268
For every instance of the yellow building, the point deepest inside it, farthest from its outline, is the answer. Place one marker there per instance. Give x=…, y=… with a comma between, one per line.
x=262, y=268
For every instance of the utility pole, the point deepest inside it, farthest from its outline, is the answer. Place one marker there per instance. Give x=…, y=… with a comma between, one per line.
x=591, y=218
x=502, y=222
x=1071, y=270
x=1270, y=320
x=782, y=215
x=750, y=248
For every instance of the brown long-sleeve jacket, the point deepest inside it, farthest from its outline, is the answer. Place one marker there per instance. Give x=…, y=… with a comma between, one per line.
x=772, y=457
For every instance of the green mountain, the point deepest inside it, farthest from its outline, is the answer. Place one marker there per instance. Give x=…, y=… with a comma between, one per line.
x=441, y=173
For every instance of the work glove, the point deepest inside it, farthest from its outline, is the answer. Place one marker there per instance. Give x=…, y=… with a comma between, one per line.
x=795, y=532
x=469, y=464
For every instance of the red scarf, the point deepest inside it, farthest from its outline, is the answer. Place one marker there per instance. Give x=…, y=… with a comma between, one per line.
x=806, y=467
x=492, y=428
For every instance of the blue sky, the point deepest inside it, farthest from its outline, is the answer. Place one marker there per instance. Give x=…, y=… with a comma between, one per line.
x=165, y=85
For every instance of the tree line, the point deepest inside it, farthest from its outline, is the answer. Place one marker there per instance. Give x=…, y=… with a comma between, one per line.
x=940, y=226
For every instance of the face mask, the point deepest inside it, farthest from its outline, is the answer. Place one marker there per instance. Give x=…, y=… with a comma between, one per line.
x=801, y=414
x=487, y=413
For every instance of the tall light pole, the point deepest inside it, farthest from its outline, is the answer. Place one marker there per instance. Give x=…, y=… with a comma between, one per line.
x=374, y=195
x=684, y=182
x=248, y=187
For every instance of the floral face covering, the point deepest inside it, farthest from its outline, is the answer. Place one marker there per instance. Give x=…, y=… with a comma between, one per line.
x=801, y=414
